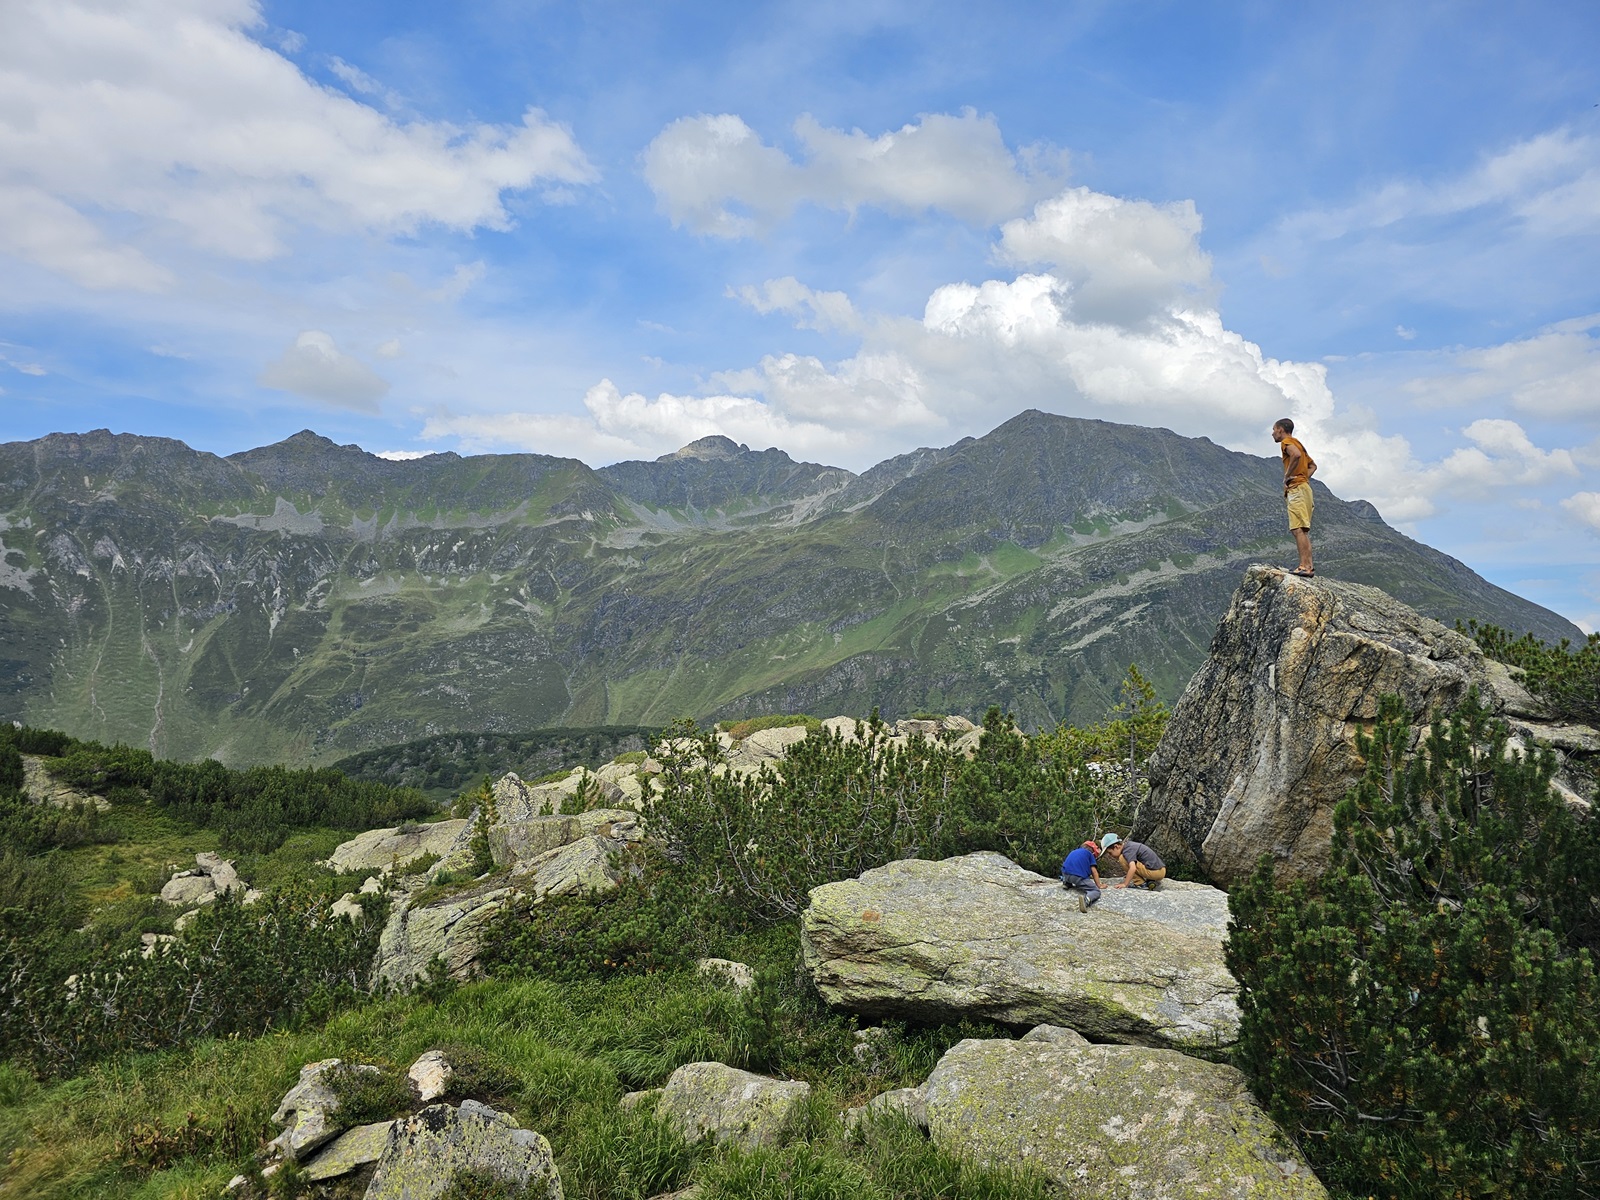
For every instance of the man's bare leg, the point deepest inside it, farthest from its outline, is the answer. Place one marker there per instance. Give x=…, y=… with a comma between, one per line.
x=1302, y=541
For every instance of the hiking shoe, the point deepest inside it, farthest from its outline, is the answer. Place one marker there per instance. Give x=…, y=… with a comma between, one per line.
x=1154, y=885
x=1083, y=903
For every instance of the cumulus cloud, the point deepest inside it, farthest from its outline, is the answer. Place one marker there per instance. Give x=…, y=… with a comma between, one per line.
x=714, y=174
x=316, y=368
x=402, y=455
x=1555, y=373
x=1126, y=260
x=630, y=425
x=1585, y=506
x=125, y=127
x=811, y=309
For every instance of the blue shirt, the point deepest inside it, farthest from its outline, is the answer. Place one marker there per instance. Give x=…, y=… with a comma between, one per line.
x=1080, y=862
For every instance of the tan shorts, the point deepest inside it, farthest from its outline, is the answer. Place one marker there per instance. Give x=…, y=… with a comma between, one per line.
x=1300, y=505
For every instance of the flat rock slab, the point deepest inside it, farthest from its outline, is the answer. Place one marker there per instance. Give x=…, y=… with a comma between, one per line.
x=1117, y=1122
x=351, y=1150
x=426, y=1152
x=978, y=936
x=711, y=1099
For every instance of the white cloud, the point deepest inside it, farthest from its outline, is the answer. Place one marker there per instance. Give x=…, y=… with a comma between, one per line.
x=1404, y=334
x=1585, y=506
x=626, y=426
x=811, y=309
x=403, y=455
x=125, y=128
x=1550, y=183
x=1127, y=260
x=316, y=368
x=1555, y=373
x=714, y=174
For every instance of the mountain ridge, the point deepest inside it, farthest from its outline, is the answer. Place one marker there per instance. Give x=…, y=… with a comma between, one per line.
x=307, y=600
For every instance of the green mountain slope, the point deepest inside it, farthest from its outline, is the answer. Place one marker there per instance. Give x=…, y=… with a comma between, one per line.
x=305, y=601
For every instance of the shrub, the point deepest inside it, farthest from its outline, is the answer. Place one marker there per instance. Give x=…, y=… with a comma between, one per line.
x=366, y=1096
x=236, y=971
x=1565, y=677
x=1425, y=1019
x=739, y=730
x=640, y=926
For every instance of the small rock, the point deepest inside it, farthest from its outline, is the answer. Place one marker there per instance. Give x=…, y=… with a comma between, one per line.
x=724, y=970
x=909, y=1103
x=1055, y=1033
x=716, y=1101
x=430, y=1075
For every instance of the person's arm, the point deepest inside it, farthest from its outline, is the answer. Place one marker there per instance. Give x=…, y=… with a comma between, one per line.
x=1094, y=873
x=1291, y=456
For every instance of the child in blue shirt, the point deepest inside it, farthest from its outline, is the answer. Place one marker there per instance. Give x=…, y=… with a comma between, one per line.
x=1079, y=874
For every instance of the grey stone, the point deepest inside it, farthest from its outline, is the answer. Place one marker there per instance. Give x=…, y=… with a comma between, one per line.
x=1058, y=1034
x=978, y=936
x=1261, y=746
x=1123, y=1121
x=308, y=1112
x=736, y=975
x=451, y=928
x=426, y=1152
x=188, y=888
x=520, y=841
x=723, y=1103
x=517, y=801
x=430, y=1075
x=910, y=1103
x=352, y=1149
x=383, y=849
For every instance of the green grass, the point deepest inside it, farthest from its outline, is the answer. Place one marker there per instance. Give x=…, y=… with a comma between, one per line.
x=180, y=1124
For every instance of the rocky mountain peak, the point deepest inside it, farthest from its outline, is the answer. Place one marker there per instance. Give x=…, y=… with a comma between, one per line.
x=708, y=449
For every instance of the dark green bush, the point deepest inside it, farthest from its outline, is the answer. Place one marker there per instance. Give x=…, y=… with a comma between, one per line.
x=366, y=1096
x=236, y=971
x=1566, y=677
x=1426, y=1020
x=639, y=927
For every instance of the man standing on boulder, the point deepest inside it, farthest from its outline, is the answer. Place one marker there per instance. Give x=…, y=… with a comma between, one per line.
x=1079, y=874
x=1298, y=467
x=1140, y=863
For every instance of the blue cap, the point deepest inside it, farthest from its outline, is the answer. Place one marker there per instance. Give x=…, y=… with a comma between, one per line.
x=1110, y=840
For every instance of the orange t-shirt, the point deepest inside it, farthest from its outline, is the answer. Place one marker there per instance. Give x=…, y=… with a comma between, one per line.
x=1303, y=467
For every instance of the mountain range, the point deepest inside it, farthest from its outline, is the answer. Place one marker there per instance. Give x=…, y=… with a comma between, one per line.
x=305, y=600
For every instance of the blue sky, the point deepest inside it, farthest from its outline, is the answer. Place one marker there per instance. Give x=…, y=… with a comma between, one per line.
x=842, y=229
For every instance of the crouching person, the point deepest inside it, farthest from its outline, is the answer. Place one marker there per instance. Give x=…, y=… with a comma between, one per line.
x=1080, y=875
x=1140, y=864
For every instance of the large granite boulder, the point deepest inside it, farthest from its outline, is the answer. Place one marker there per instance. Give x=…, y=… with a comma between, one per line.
x=1118, y=1121
x=723, y=1103
x=384, y=849
x=978, y=936
x=425, y=1154
x=1261, y=746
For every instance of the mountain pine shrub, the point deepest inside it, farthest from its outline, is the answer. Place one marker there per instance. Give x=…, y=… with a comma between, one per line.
x=1426, y=1018
x=1565, y=677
